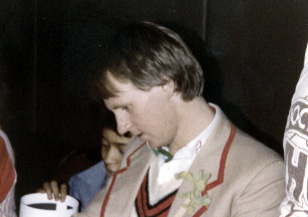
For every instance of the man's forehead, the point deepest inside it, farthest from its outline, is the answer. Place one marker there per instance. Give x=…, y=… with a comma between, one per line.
x=120, y=85
x=115, y=83
x=119, y=89
x=109, y=86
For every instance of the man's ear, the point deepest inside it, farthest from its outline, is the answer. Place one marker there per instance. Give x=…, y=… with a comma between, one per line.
x=169, y=87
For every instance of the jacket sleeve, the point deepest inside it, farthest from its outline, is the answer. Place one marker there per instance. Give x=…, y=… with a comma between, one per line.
x=263, y=194
x=95, y=206
x=6, y=170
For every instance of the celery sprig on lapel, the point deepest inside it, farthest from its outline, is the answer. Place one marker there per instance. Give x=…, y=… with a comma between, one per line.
x=194, y=197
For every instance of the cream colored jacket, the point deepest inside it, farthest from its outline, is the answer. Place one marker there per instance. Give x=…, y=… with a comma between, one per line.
x=247, y=178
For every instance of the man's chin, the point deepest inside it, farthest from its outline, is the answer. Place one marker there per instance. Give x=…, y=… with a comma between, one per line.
x=154, y=146
x=143, y=137
x=151, y=144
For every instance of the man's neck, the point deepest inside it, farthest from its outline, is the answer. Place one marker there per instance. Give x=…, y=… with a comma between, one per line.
x=195, y=116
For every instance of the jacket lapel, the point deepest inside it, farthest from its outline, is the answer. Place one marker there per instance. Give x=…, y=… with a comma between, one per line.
x=127, y=180
x=211, y=159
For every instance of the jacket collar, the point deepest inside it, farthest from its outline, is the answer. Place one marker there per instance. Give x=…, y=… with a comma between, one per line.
x=129, y=176
x=211, y=159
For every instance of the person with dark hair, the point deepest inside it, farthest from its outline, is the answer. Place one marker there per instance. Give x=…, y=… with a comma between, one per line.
x=186, y=158
x=8, y=175
x=295, y=143
x=87, y=183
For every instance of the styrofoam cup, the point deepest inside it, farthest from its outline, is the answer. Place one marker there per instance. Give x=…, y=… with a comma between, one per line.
x=38, y=205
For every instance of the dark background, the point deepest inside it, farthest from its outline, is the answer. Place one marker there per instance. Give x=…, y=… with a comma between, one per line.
x=252, y=53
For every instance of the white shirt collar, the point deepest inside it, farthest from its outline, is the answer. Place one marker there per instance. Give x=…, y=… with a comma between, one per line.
x=193, y=147
x=184, y=157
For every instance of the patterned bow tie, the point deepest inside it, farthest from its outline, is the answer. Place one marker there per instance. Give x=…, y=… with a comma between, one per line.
x=163, y=152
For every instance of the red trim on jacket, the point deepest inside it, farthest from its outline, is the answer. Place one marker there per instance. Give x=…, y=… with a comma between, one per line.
x=211, y=185
x=221, y=171
x=114, y=178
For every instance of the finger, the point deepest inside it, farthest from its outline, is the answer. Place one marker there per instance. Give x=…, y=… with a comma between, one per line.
x=47, y=189
x=55, y=189
x=63, y=190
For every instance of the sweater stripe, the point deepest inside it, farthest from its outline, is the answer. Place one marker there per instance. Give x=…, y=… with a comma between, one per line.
x=142, y=202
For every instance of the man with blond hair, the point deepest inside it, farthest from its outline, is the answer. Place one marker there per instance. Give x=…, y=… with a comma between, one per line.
x=186, y=157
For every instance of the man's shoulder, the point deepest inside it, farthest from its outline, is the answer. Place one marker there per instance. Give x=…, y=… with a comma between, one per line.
x=253, y=156
x=245, y=143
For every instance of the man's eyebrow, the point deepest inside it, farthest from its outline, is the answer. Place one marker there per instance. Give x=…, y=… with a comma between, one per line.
x=116, y=107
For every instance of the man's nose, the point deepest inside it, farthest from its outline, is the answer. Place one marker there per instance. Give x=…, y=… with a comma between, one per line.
x=123, y=125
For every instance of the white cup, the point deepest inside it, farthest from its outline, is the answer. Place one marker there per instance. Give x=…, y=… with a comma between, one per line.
x=38, y=205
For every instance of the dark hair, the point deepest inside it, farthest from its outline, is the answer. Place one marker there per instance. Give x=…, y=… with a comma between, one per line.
x=108, y=119
x=98, y=118
x=148, y=55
